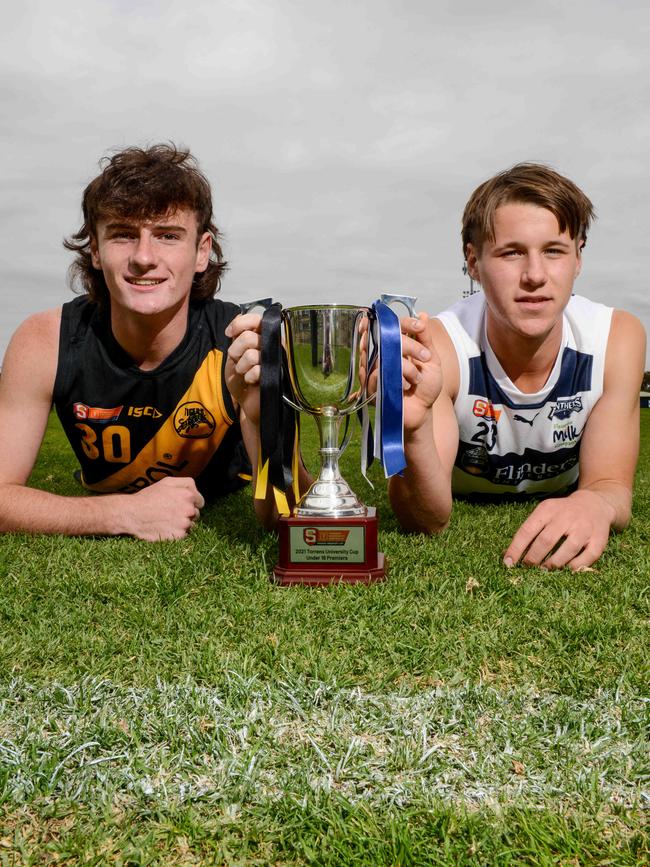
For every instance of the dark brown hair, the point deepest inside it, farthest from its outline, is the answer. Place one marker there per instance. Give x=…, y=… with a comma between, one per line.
x=528, y=183
x=141, y=184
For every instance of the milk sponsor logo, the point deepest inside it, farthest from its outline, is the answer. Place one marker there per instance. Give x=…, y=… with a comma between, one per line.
x=567, y=433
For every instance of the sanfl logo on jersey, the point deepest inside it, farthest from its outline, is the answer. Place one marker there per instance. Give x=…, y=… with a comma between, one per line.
x=485, y=409
x=96, y=413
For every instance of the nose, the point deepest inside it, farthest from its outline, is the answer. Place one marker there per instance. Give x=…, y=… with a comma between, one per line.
x=143, y=255
x=534, y=273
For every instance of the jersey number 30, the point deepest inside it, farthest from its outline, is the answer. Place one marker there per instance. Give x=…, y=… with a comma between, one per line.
x=115, y=443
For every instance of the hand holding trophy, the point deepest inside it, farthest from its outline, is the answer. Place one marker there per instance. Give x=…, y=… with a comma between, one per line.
x=331, y=536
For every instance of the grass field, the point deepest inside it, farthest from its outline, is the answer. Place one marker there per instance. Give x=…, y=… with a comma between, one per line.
x=164, y=704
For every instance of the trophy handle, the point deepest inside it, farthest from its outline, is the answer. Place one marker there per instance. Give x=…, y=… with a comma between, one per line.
x=407, y=300
x=247, y=306
x=292, y=404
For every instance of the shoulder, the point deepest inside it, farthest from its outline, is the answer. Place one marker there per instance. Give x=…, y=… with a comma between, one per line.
x=626, y=344
x=463, y=322
x=39, y=329
x=32, y=354
x=626, y=326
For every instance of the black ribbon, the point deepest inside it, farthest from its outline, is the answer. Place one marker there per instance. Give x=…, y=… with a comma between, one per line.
x=278, y=420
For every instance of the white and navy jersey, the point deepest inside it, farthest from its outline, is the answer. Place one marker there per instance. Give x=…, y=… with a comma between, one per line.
x=516, y=443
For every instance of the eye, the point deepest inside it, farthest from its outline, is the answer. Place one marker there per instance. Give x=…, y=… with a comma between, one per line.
x=555, y=251
x=170, y=236
x=510, y=254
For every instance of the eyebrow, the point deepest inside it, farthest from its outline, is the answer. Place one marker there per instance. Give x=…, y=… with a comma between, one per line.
x=549, y=243
x=123, y=224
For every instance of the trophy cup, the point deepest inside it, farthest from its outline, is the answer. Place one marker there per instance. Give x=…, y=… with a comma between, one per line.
x=331, y=536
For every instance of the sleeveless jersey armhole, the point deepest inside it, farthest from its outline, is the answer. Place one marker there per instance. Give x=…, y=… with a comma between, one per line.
x=463, y=348
x=219, y=315
x=64, y=363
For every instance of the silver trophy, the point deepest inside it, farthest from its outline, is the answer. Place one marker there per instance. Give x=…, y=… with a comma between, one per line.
x=323, y=345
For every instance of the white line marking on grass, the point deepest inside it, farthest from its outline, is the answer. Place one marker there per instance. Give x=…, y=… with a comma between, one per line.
x=74, y=752
x=252, y=742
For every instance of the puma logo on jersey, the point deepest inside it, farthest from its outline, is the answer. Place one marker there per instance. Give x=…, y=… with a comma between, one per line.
x=524, y=419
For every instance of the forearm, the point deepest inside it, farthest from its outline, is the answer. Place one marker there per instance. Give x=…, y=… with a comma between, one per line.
x=29, y=510
x=616, y=495
x=421, y=498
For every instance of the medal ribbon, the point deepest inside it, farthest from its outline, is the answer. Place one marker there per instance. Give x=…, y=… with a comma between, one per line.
x=279, y=427
x=389, y=407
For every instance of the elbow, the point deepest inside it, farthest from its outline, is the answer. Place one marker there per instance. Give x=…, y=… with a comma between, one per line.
x=427, y=528
x=430, y=524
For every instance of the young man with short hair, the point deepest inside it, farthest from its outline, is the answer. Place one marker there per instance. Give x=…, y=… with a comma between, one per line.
x=525, y=389
x=154, y=380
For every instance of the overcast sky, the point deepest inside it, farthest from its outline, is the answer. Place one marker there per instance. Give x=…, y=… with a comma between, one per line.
x=342, y=139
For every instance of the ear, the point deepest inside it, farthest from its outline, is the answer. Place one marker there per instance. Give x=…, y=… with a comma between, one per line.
x=471, y=257
x=94, y=253
x=579, y=259
x=203, y=252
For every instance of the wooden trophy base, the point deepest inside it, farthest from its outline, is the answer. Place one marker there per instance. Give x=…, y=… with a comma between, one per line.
x=317, y=551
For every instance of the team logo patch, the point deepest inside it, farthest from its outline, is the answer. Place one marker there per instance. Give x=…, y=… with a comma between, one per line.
x=96, y=413
x=485, y=409
x=317, y=536
x=194, y=421
x=564, y=408
x=475, y=461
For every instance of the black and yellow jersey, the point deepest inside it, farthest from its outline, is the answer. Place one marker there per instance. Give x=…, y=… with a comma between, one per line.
x=130, y=428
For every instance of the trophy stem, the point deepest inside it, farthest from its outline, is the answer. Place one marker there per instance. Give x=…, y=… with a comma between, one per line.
x=330, y=495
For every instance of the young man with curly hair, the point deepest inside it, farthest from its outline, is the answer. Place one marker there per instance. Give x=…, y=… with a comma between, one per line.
x=154, y=380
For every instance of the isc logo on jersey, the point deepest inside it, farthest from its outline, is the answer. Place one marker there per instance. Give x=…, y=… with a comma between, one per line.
x=139, y=411
x=485, y=409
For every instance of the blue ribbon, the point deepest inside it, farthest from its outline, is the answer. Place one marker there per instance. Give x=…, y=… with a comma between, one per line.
x=390, y=407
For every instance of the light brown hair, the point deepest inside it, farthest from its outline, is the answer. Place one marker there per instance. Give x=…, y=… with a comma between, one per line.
x=141, y=184
x=527, y=183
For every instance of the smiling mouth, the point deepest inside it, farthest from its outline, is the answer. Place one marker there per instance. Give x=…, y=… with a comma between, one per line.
x=143, y=281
